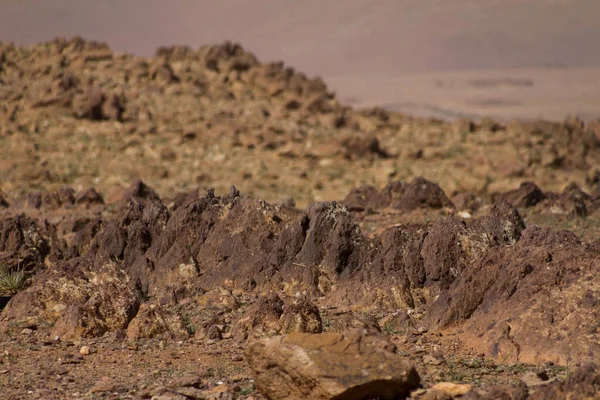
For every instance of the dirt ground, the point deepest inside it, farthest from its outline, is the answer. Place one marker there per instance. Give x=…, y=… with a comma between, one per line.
x=168, y=211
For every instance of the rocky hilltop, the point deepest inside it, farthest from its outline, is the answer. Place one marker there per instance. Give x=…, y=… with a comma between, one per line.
x=224, y=226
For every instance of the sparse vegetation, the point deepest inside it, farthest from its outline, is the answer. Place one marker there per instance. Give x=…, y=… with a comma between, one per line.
x=12, y=280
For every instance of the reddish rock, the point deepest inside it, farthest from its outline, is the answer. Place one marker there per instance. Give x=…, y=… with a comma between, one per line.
x=527, y=195
x=78, y=302
x=467, y=202
x=262, y=319
x=89, y=106
x=362, y=198
x=330, y=365
x=302, y=317
x=164, y=73
x=513, y=301
x=359, y=146
x=228, y=57
x=96, y=105
x=420, y=193
x=89, y=197
x=63, y=197
x=154, y=321
x=22, y=243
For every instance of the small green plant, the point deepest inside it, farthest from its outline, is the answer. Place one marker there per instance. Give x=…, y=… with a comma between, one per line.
x=389, y=330
x=12, y=280
x=189, y=326
x=245, y=392
x=326, y=323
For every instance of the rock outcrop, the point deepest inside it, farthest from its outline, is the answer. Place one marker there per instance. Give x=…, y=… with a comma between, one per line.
x=330, y=366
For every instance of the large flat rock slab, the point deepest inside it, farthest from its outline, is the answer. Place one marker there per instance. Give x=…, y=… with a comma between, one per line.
x=349, y=366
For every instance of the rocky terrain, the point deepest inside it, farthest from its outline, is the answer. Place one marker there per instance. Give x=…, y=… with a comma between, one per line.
x=201, y=225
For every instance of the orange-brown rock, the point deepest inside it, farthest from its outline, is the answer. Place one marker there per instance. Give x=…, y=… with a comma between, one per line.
x=324, y=366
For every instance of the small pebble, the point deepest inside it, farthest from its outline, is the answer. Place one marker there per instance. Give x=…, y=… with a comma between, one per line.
x=84, y=350
x=26, y=331
x=428, y=359
x=464, y=214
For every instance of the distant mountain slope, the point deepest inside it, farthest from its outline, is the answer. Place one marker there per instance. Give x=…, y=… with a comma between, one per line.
x=358, y=44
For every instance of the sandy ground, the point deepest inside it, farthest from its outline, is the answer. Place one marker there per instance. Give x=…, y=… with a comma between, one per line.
x=500, y=58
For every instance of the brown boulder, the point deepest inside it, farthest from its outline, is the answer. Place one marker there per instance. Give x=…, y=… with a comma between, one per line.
x=152, y=321
x=419, y=193
x=583, y=383
x=222, y=237
x=77, y=233
x=360, y=146
x=467, y=202
x=261, y=319
x=451, y=244
x=89, y=105
x=164, y=73
x=127, y=236
x=89, y=197
x=22, y=243
x=534, y=301
x=63, y=197
x=572, y=202
x=406, y=196
x=301, y=316
x=80, y=303
x=174, y=53
x=330, y=366
x=227, y=57
x=527, y=195
x=324, y=244
x=361, y=198
x=344, y=321
x=96, y=105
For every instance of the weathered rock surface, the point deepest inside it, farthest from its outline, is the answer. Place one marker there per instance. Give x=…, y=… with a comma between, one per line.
x=330, y=366
x=153, y=321
x=519, y=302
x=527, y=195
x=78, y=302
x=517, y=290
x=23, y=243
x=406, y=196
